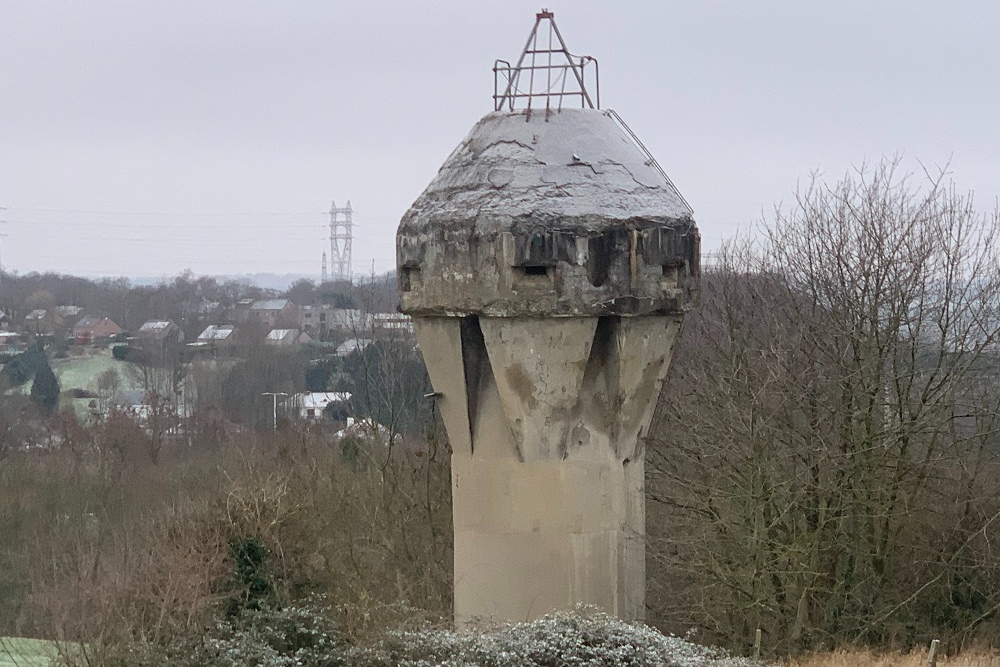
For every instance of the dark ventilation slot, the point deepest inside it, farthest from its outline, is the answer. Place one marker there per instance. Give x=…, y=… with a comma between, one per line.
x=407, y=276
x=598, y=260
x=533, y=276
x=476, y=364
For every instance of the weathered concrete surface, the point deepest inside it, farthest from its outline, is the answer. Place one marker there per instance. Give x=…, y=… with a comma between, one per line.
x=547, y=267
x=580, y=224
x=547, y=473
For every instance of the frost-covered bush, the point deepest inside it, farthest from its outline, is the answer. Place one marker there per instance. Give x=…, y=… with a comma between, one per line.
x=307, y=636
x=302, y=635
x=559, y=640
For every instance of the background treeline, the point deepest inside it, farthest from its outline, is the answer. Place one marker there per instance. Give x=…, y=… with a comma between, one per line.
x=188, y=300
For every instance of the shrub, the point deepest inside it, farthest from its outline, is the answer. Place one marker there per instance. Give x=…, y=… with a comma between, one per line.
x=303, y=635
x=309, y=635
x=563, y=639
x=253, y=587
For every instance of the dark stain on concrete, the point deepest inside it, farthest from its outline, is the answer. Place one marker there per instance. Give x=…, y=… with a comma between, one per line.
x=520, y=382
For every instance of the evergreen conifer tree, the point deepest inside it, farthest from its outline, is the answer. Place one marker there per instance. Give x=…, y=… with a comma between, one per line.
x=45, y=390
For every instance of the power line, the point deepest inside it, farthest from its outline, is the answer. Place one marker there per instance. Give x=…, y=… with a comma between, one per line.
x=147, y=239
x=189, y=261
x=62, y=223
x=181, y=214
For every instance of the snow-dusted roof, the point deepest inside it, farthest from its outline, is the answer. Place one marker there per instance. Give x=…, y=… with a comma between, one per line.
x=155, y=326
x=279, y=334
x=216, y=332
x=269, y=304
x=38, y=314
x=352, y=345
x=318, y=400
x=572, y=163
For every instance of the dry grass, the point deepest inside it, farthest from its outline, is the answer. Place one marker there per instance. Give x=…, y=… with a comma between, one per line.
x=916, y=659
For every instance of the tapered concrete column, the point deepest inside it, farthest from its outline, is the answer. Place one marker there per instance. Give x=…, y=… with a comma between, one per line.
x=545, y=416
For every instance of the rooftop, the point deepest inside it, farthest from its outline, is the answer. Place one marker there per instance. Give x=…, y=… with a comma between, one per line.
x=216, y=332
x=155, y=325
x=269, y=304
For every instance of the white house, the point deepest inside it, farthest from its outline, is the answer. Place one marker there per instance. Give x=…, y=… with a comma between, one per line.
x=311, y=404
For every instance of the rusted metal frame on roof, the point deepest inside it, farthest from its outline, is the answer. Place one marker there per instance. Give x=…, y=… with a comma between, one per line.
x=529, y=95
x=496, y=90
x=506, y=68
x=520, y=61
x=531, y=76
x=577, y=73
x=512, y=92
x=548, y=74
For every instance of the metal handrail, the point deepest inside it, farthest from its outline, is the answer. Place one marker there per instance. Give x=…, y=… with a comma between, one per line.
x=650, y=160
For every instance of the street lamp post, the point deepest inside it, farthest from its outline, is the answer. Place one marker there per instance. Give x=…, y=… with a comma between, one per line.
x=274, y=407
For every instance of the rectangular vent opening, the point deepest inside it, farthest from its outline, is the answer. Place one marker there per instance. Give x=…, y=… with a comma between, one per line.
x=407, y=277
x=533, y=277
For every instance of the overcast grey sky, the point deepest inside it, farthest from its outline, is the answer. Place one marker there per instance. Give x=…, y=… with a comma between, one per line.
x=121, y=120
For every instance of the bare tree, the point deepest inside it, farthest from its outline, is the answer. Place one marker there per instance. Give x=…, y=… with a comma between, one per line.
x=108, y=384
x=827, y=466
x=387, y=378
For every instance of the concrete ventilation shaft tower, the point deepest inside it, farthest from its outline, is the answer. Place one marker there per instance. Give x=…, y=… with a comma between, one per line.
x=547, y=268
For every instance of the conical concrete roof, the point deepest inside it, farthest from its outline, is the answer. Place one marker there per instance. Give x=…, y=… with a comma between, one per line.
x=564, y=165
x=548, y=213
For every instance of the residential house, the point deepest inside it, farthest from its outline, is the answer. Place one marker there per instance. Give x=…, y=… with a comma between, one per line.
x=206, y=307
x=352, y=345
x=274, y=313
x=42, y=321
x=94, y=329
x=10, y=341
x=287, y=337
x=320, y=320
x=159, y=332
x=216, y=334
x=68, y=314
x=238, y=313
x=393, y=321
x=5, y=321
x=310, y=405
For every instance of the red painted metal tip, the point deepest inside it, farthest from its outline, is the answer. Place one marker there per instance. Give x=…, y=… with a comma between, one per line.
x=545, y=14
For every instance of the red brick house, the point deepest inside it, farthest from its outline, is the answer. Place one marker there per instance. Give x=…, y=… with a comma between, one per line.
x=91, y=329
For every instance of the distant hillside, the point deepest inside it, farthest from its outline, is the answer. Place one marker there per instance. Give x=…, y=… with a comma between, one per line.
x=269, y=281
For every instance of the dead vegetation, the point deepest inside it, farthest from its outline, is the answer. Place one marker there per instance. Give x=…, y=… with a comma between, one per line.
x=862, y=658
x=109, y=551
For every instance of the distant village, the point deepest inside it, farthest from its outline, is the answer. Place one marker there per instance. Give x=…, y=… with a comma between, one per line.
x=254, y=358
